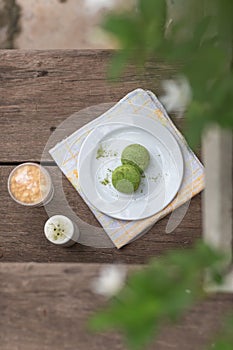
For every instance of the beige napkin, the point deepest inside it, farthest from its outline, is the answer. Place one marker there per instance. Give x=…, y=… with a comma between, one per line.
x=66, y=152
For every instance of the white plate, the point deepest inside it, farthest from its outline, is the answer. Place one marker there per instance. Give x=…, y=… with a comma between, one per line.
x=162, y=179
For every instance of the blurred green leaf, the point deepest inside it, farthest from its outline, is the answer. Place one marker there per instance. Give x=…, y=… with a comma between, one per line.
x=125, y=28
x=207, y=64
x=205, y=51
x=225, y=23
x=202, y=41
x=152, y=10
x=157, y=294
x=201, y=29
x=197, y=116
x=118, y=63
x=152, y=17
x=140, y=31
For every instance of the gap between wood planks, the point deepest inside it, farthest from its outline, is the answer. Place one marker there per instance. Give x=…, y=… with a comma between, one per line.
x=46, y=163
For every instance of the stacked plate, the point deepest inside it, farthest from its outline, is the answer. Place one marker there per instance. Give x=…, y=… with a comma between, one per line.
x=101, y=153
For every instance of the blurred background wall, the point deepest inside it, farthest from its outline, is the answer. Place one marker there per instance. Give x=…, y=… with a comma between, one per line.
x=55, y=24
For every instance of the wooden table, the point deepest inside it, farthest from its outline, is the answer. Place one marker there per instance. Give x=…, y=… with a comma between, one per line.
x=38, y=90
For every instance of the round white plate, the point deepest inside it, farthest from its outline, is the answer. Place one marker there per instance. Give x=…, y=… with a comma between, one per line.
x=101, y=152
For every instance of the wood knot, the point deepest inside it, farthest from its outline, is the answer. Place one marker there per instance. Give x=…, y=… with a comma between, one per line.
x=53, y=128
x=41, y=73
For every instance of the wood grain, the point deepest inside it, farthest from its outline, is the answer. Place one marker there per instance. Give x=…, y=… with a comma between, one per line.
x=46, y=306
x=55, y=301
x=40, y=89
x=22, y=238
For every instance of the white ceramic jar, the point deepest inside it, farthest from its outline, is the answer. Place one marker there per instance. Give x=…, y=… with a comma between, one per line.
x=61, y=231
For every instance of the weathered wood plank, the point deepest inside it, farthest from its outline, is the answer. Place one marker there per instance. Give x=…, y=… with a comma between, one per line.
x=22, y=238
x=40, y=89
x=47, y=306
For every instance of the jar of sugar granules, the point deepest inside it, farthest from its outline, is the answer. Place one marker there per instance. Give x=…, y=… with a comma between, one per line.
x=30, y=184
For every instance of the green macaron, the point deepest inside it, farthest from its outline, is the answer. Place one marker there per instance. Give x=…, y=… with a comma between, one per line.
x=126, y=178
x=136, y=155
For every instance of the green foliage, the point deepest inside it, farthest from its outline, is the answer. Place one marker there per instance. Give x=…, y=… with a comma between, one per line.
x=139, y=32
x=157, y=294
x=201, y=39
x=225, y=340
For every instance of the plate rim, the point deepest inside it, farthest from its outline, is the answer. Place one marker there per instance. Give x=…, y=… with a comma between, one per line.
x=120, y=123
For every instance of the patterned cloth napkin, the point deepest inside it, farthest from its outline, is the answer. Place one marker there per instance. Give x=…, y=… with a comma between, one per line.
x=66, y=152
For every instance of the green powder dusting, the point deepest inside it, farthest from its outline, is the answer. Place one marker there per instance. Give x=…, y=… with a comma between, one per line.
x=104, y=153
x=154, y=178
x=100, y=152
x=105, y=182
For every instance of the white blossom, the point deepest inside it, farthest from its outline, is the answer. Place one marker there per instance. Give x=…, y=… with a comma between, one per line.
x=96, y=5
x=178, y=94
x=110, y=280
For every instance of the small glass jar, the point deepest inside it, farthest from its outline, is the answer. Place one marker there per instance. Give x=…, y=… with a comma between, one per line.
x=30, y=184
x=60, y=230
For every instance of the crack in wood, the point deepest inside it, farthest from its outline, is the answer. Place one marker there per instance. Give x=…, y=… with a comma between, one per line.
x=41, y=73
